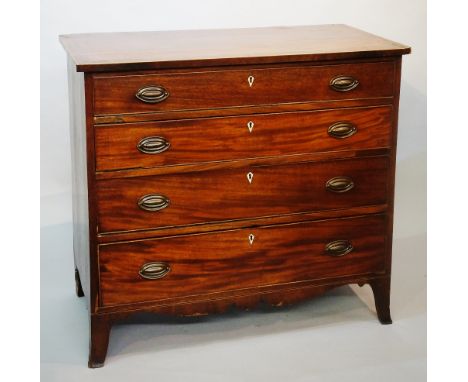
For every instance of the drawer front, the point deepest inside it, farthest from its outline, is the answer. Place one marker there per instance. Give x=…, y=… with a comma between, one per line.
x=207, y=196
x=245, y=87
x=143, y=145
x=158, y=269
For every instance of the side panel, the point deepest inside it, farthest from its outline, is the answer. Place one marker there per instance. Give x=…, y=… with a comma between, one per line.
x=83, y=169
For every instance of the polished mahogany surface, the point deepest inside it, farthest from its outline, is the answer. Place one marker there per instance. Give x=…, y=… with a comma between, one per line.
x=233, y=168
x=155, y=50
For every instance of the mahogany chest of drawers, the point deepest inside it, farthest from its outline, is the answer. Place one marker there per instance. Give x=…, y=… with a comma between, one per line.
x=226, y=168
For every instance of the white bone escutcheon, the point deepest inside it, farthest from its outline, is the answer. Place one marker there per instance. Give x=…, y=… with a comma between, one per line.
x=250, y=177
x=250, y=80
x=250, y=126
x=251, y=238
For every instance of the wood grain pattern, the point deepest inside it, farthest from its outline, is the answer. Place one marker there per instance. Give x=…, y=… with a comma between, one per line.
x=204, y=232
x=224, y=195
x=155, y=50
x=237, y=224
x=208, y=263
x=229, y=138
x=241, y=163
x=245, y=299
x=230, y=88
x=250, y=109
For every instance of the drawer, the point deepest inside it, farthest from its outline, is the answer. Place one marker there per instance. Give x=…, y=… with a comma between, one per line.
x=179, y=266
x=152, y=144
x=219, y=195
x=177, y=91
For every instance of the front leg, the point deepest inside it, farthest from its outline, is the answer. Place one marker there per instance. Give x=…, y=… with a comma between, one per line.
x=100, y=327
x=381, y=289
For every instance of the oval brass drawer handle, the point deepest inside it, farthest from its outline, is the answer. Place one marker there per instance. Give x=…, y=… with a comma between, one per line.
x=343, y=83
x=154, y=270
x=340, y=184
x=342, y=130
x=152, y=94
x=153, y=145
x=338, y=248
x=153, y=202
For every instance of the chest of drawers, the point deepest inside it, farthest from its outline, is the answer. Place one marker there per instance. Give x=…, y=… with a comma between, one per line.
x=214, y=169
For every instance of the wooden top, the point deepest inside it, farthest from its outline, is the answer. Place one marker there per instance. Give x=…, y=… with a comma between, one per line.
x=176, y=49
